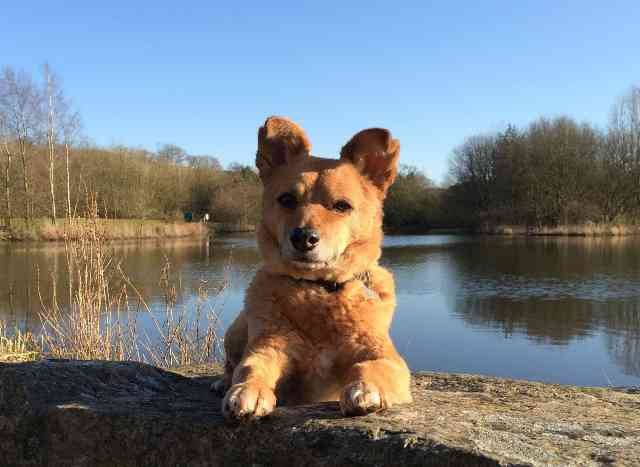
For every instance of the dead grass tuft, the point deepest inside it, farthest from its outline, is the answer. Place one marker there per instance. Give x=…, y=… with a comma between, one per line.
x=18, y=346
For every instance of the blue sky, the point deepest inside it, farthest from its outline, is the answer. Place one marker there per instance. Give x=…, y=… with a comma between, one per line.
x=204, y=75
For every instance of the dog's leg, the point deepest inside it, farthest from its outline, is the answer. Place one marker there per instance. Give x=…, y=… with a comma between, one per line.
x=252, y=394
x=235, y=342
x=376, y=384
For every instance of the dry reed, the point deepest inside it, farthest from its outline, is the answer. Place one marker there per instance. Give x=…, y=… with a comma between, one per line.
x=184, y=336
x=98, y=324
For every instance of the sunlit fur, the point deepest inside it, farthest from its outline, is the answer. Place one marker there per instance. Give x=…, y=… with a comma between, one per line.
x=298, y=341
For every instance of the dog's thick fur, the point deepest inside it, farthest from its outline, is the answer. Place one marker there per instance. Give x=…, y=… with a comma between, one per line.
x=315, y=326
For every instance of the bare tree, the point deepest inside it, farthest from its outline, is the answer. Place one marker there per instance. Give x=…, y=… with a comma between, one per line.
x=474, y=163
x=61, y=128
x=624, y=131
x=172, y=153
x=20, y=102
x=51, y=133
x=625, y=122
x=71, y=128
x=4, y=143
x=620, y=159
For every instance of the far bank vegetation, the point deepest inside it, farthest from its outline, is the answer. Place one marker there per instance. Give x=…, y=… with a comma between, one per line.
x=49, y=171
x=555, y=176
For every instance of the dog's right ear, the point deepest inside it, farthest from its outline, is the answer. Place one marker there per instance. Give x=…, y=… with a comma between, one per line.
x=280, y=141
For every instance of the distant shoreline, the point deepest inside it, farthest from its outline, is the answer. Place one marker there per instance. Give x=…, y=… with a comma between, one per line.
x=42, y=230
x=590, y=229
x=569, y=230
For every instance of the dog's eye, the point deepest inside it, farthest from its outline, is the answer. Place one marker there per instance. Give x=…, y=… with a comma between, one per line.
x=287, y=200
x=342, y=206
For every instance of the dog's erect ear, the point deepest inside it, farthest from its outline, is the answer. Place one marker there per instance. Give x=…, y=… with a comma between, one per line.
x=280, y=141
x=375, y=153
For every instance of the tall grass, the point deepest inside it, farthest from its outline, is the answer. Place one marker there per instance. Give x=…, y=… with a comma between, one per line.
x=107, y=318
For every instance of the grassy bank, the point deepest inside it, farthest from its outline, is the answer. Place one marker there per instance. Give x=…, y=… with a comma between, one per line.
x=108, y=229
x=590, y=229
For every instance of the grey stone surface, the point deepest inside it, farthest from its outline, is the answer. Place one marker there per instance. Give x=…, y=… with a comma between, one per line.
x=70, y=413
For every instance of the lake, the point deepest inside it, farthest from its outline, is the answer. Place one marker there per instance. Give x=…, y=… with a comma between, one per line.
x=553, y=309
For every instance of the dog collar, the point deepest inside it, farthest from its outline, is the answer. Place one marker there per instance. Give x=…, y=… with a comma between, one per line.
x=333, y=287
x=329, y=286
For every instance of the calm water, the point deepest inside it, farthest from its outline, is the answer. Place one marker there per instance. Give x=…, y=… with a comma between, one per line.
x=563, y=310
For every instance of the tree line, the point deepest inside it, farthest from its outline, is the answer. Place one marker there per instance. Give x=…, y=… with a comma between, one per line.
x=553, y=171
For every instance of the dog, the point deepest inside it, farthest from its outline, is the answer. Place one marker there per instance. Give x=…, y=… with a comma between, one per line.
x=315, y=324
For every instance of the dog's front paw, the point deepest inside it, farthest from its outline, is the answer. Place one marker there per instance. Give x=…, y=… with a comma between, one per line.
x=360, y=398
x=248, y=400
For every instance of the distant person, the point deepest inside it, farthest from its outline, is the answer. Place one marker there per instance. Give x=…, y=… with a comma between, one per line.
x=188, y=216
x=205, y=218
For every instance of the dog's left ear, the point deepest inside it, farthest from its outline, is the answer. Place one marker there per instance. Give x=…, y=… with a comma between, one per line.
x=375, y=153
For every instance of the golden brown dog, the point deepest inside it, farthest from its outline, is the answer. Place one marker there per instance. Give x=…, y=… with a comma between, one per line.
x=315, y=326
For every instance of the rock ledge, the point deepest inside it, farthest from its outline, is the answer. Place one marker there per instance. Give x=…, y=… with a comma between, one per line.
x=72, y=413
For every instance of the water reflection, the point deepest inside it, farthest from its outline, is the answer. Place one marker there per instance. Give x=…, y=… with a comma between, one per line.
x=557, y=323
x=580, y=296
x=622, y=325
x=554, y=309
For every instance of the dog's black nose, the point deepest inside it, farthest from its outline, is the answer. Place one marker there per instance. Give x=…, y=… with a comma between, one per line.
x=304, y=239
